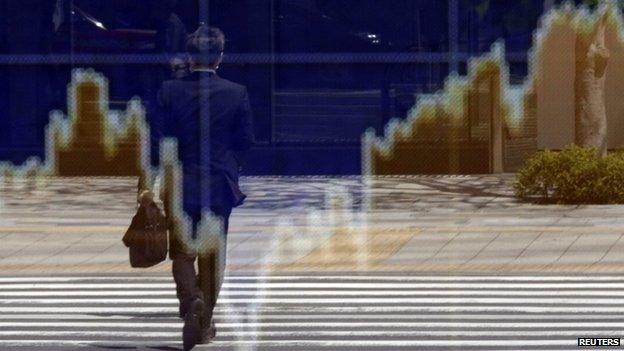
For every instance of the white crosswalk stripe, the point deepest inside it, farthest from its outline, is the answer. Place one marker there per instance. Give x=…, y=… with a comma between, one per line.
x=340, y=312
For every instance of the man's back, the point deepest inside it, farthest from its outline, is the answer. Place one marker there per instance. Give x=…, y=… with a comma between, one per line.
x=226, y=107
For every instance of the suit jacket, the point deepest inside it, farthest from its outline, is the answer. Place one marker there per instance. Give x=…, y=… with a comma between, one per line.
x=210, y=178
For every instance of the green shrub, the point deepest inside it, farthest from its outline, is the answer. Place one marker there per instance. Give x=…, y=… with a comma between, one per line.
x=575, y=175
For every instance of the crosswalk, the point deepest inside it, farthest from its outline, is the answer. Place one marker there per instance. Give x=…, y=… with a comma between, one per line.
x=316, y=312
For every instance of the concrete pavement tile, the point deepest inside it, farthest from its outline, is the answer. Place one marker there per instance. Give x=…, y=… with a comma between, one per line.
x=271, y=260
x=571, y=222
x=113, y=253
x=285, y=255
x=506, y=247
x=420, y=247
x=239, y=237
x=35, y=249
x=107, y=260
x=546, y=249
x=462, y=248
x=235, y=240
x=263, y=245
x=25, y=259
x=590, y=248
x=239, y=251
x=245, y=257
x=601, y=221
x=80, y=252
x=514, y=220
x=69, y=259
x=615, y=254
x=16, y=243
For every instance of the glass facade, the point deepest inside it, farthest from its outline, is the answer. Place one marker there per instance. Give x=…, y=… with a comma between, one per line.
x=319, y=72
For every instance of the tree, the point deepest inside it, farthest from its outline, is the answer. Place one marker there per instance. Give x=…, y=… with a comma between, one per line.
x=592, y=58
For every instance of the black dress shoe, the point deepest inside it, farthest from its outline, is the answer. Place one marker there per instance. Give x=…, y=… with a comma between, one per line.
x=191, y=333
x=208, y=333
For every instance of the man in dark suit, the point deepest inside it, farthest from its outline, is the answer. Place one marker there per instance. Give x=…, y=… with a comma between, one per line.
x=211, y=119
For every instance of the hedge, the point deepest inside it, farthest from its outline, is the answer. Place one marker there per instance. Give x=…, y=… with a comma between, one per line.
x=574, y=175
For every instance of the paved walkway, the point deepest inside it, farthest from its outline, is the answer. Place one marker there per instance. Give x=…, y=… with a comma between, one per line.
x=445, y=224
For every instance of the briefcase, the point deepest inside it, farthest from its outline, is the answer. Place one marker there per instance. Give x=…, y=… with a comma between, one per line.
x=147, y=236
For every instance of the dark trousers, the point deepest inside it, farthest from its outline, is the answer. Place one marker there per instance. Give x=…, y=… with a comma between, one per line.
x=207, y=284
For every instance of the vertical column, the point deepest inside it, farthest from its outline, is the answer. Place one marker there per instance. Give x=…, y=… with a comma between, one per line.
x=204, y=121
x=203, y=14
x=497, y=143
x=261, y=79
x=453, y=35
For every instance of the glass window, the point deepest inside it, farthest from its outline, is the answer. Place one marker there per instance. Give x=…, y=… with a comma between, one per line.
x=319, y=72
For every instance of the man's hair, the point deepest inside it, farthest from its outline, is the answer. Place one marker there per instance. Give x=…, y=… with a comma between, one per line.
x=206, y=45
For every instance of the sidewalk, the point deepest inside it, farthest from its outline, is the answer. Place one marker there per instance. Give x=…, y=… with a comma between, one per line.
x=442, y=224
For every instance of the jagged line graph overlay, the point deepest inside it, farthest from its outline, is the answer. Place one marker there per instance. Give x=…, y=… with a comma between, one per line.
x=539, y=112
x=442, y=120
x=93, y=141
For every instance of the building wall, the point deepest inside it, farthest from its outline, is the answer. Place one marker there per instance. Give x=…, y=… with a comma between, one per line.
x=554, y=88
x=555, y=77
x=615, y=89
